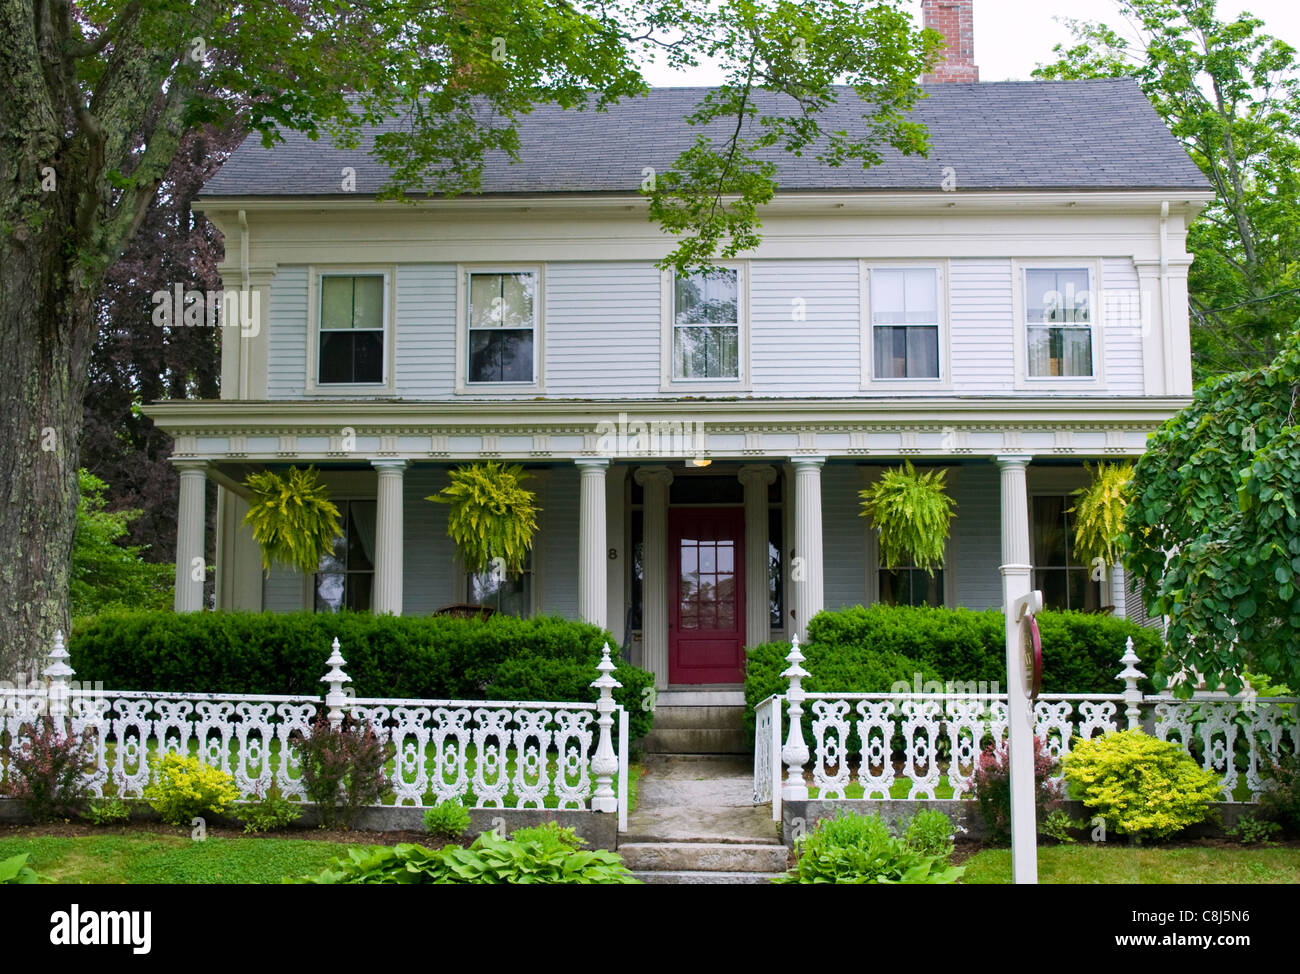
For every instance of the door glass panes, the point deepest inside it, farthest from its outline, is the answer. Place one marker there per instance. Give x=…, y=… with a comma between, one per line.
x=351, y=328
x=707, y=587
x=502, y=326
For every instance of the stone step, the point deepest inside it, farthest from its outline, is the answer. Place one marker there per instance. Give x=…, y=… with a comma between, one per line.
x=693, y=857
x=709, y=718
x=695, y=740
x=685, y=878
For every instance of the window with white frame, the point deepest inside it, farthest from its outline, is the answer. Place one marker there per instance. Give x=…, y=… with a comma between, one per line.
x=352, y=313
x=706, y=325
x=909, y=585
x=1058, y=322
x=346, y=576
x=905, y=322
x=502, y=326
x=1066, y=583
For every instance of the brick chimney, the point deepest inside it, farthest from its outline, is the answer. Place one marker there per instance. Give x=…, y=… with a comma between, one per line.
x=955, y=20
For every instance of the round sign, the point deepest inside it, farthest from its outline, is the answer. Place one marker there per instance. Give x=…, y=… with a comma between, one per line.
x=1033, y=646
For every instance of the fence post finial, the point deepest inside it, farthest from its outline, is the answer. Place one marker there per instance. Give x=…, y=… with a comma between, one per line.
x=60, y=675
x=605, y=761
x=335, y=699
x=795, y=752
x=1132, y=694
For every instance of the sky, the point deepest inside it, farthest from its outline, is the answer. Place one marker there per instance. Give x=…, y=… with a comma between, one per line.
x=1013, y=36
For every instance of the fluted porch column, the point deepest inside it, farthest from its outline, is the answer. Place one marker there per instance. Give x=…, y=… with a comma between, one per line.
x=1016, y=584
x=806, y=568
x=654, y=569
x=389, y=541
x=191, y=568
x=593, y=603
x=756, y=478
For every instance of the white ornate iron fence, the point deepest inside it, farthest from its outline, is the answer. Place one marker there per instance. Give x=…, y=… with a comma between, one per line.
x=870, y=742
x=488, y=753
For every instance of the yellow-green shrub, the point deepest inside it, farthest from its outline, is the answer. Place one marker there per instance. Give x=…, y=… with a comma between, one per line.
x=1139, y=784
x=183, y=787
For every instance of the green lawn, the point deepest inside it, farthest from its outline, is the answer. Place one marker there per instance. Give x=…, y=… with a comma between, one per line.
x=171, y=858
x=1122, y=863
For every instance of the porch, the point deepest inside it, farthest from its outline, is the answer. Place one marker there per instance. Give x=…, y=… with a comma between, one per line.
x=689, y=534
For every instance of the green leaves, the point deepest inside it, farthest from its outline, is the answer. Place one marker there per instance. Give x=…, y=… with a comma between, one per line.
x=492, y=515
x=292, y=518
x=912, y=512
x=1099, y=514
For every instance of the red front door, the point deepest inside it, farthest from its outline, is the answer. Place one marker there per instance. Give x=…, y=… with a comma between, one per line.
x=706, y=592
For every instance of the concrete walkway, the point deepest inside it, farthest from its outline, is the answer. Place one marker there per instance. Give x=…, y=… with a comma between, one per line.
x=690, y=798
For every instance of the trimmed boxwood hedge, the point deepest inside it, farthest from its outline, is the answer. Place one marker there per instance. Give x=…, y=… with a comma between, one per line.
x=866, y=650
x=504, y=658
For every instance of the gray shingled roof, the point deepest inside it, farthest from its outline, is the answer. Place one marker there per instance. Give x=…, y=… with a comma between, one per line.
x=1098, y=134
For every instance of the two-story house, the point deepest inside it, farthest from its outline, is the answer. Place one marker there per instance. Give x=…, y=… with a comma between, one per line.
x=1008, y=308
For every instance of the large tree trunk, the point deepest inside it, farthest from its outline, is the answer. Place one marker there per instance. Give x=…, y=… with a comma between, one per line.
x=46, y=324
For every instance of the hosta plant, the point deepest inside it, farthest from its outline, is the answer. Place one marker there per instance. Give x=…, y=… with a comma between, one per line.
x=292, y=518
x=859, y=849
x=1139, y=784
x=492, y=515
x=1099, y=514
x=913, y=512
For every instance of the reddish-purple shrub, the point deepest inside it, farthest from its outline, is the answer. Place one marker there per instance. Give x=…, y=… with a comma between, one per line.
x=991, y=784
x=46, y=770
x=342, y=768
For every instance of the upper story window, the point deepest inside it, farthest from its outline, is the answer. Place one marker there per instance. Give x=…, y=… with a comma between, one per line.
x=502, y=326
x=1058, y=322
x=352, y=316
x=905, y=322
x=706, y=326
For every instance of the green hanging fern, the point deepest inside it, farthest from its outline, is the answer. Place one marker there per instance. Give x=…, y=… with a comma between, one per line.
x=912, y=511
x=292, y=518
x=1099, y=514
x=492, y=514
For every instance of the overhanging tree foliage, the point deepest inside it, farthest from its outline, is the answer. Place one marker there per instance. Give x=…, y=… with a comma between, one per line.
x=1214, y=527
x=1231, y=93
x=95, y=99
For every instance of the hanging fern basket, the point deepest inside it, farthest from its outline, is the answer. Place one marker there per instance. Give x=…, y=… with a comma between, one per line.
x=292, y=518
x=913, y=513
x=1099, y=514
x=492, y=515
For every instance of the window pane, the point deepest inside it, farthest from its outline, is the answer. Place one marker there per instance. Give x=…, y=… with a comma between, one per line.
x=368, y=356
x=907, y=353
x=357, y=591
x=774, y=543
x=361, y=535
x=921, y=301
x=888, y=303
x=1076, y=351
x=891, y=353
x=1040, y=359
x=329, y=592
x=501, y=356
x=335, y=357
x=368, y=302
x=703, y=352
x=517, y=300
x=712, y=298
x=923, y=353
x=486, y=306
x=335, y=302
x=1057, y=296
x=1051, y=543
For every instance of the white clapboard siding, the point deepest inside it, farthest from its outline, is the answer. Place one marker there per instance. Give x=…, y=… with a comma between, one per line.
x=283, y=590
x=286, y=357
x=977, y=533
x=426, y=330
x=806, y=328
x=1122, y=314
x=428, y=555
x=982, y=326
x=557, y=568
x=844, y=538
x=603, y=322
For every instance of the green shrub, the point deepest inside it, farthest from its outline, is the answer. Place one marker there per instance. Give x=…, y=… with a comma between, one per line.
x=857, y=849
x=551, y=836
x=421, y=657
x=107, y=811
x=991, y=788
x=490, y=860
x=1280, y=801
x=1058, y=825
x=447, y=820
x=269, y=811
x=930, y=833
x=1250, y=829
x=342, y=768
x=47, y=770
x=184, y=788
x=1139, y=784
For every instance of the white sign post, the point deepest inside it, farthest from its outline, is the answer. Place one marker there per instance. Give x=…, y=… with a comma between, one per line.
x=1020, y=727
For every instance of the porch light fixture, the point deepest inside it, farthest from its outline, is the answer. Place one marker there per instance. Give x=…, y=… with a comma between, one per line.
x=701, y=462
